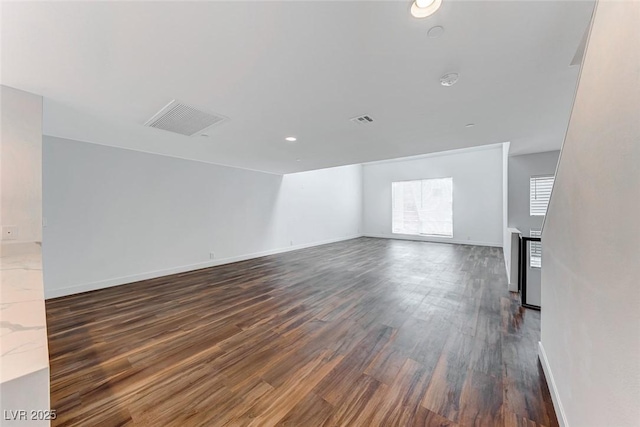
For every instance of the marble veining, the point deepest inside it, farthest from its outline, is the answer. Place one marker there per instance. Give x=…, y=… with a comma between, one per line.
x=23, y=330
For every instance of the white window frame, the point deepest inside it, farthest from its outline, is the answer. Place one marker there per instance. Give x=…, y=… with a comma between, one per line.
x=535, y=249
x=535, y=205
x=404, y=232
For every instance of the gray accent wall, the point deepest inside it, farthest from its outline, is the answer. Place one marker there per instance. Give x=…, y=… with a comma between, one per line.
x=521, y=169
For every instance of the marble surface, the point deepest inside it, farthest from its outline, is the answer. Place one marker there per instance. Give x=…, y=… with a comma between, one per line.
x=23, y=327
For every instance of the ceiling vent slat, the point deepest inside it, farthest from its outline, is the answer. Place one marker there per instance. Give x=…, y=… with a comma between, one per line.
x=363, y=120
x=183, y=119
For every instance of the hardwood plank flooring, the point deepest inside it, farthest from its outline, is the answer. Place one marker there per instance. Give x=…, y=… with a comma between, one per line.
x=366, y=332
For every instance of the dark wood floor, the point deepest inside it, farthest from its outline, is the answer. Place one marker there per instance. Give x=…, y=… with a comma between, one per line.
x=367, y=332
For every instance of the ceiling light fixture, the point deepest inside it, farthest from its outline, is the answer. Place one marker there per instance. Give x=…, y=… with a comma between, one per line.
x=424, y=8
x=469, y=125
x=291, y=138
x=449, y=79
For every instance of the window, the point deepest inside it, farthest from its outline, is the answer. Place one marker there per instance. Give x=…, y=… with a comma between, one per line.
x=423, y=207
x=535, y=250
x=539, y=194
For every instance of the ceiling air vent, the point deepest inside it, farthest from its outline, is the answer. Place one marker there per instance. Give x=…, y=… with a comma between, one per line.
x=183, y=119
x=363, y=120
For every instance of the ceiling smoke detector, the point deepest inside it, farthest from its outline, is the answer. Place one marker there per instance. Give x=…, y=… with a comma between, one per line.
x=449, y=79
x=435, y=32
x=183, y=119
x=363, y=120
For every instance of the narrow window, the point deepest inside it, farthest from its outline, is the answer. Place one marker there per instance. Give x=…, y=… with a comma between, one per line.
x=539, y=194
x=535, y=250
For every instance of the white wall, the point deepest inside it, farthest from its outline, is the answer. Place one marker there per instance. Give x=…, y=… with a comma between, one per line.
x=115, y=216
x=590, y=345
x=506, y=234
x=21, y=163
x=477, y=193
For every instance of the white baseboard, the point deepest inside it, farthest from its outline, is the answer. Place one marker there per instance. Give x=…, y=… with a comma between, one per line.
x=557, y=405
x=433, y=239
x=116, y=281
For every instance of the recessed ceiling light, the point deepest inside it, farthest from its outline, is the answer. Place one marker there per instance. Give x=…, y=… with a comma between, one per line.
x=469, y=125
x=424, y=8
x=291, y=138
x=436, y=31
x=449, y=79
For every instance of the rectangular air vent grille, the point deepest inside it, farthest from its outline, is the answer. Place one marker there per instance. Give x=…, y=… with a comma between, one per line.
x=183, y=119
x=363, y=120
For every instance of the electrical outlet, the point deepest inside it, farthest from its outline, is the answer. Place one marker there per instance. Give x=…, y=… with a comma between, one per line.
x=9, y=232
x=291, y=243
x=212, y=255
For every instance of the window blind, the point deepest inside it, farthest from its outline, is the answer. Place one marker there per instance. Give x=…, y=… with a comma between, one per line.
x=535, y=250
x=423, y=207
x=539, y=194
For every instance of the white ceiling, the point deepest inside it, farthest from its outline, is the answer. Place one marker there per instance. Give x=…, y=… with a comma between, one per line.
x=299, y=68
